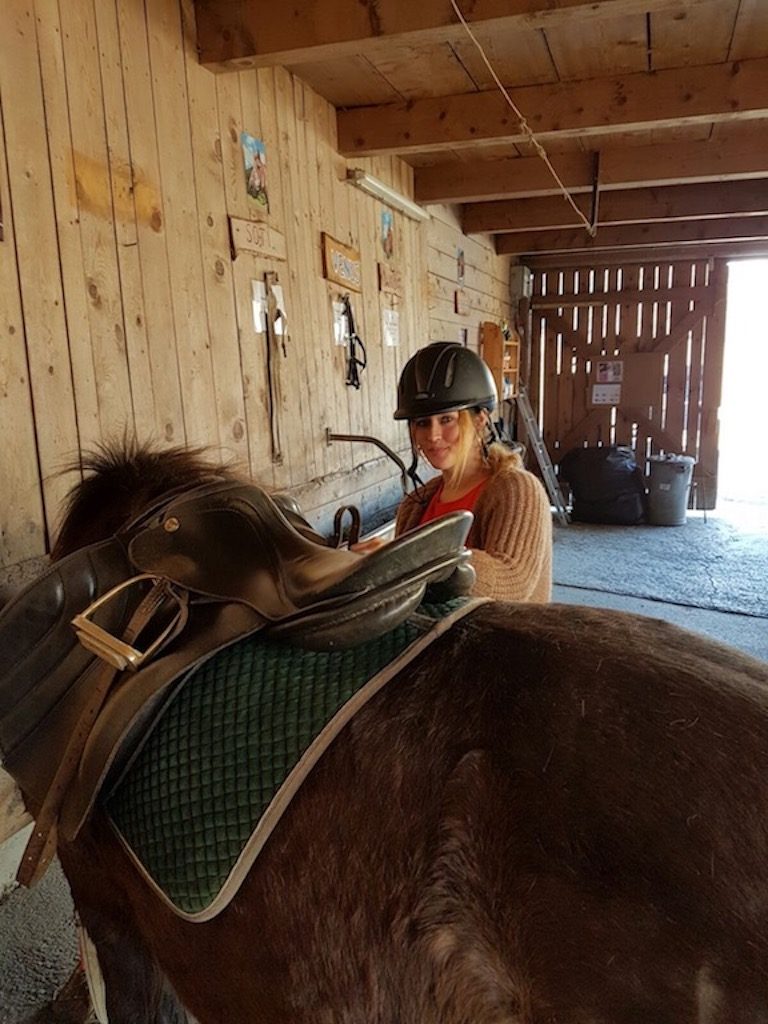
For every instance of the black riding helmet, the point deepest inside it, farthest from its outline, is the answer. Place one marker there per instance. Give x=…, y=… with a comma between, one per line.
x=444, y=377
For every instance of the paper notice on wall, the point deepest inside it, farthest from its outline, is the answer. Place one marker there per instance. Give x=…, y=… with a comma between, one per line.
x=259, y=300
x=609, y=371
x=390, y=327
x=340, y=324
x=606, y=394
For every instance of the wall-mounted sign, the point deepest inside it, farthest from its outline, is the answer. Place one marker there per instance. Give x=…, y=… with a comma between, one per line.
x=390, y=327
x=606, y=394
x=341, y=264
x=609, y=371
x=256, y=237
x=390, y=280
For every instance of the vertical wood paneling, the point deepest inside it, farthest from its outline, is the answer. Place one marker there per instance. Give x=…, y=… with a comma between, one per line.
x=160, y=378
x=300, y=432
x=21, y=528
x=133, y=324
x=657, y=312
x=177, y=180
x=64, y=188
x=324, y=126
x=705, y=474
x=42, y=297
x=96, y=217
x=218, y=283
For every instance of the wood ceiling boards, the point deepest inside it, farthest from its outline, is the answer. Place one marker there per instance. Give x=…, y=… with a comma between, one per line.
x=672, y=95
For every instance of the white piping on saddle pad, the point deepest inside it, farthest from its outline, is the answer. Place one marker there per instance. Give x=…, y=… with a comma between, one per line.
x=311, y=755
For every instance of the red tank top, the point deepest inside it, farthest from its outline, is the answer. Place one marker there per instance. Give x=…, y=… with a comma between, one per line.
x=437, y=508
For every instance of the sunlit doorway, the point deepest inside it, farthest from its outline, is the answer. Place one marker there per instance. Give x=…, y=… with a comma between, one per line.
x=742, y=476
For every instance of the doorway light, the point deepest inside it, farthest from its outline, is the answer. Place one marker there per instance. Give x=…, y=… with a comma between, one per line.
x=364, y=181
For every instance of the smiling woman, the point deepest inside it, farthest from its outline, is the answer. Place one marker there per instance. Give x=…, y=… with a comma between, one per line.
x=446, y=393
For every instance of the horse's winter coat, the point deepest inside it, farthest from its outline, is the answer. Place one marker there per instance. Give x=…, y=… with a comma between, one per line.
x=555, y=814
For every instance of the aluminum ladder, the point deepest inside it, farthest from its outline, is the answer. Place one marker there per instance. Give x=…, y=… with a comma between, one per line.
x=542, y=456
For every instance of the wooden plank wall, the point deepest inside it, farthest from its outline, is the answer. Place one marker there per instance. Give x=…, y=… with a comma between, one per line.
x=484, y=291
x=122, y=309
x=663, y=324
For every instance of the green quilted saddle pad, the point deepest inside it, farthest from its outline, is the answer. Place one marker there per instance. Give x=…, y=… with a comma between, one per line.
x=224, y=746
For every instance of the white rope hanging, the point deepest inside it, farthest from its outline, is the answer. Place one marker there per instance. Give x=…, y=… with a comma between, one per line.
x=527, y=131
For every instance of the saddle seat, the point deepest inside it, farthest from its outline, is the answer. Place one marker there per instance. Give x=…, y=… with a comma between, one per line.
x=225, y=561
x=232, y=542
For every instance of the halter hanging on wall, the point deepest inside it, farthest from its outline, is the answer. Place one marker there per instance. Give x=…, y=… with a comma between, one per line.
x=356, y=354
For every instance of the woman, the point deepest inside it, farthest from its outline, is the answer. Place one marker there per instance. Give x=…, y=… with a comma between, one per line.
x=446, y=393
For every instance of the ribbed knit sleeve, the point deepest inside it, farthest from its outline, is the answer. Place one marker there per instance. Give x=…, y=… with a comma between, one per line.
x=511, y=539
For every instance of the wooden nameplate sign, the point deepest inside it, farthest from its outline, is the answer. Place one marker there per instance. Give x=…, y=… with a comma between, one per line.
x=341, y=264
x=257, y=238
x=390, y=280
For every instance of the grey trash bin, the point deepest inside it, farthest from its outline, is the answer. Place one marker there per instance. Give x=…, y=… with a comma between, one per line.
x=668, y=489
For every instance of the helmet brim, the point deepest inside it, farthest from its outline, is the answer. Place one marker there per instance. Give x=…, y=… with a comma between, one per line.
x=418, y=409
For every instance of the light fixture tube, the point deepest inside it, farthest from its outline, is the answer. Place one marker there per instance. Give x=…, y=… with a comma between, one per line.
x=362, y=180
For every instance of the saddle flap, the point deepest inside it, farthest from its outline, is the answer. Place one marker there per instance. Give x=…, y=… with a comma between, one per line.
x=43, y=667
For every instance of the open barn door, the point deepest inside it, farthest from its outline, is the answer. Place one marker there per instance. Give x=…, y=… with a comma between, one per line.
x=632, y=355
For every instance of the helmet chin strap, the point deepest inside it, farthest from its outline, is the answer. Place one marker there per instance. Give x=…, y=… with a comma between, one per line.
x=416, y=480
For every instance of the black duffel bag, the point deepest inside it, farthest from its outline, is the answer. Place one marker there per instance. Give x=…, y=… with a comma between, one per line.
x=606, y=484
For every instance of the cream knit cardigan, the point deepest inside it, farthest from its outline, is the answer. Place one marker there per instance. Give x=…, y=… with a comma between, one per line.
x=511, y=537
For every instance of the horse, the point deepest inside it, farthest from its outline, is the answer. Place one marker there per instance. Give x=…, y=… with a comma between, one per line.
x=553, y=815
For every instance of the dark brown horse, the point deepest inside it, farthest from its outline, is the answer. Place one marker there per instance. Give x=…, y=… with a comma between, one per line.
x=555, y=814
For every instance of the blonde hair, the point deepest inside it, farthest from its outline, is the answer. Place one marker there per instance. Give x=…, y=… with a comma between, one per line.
x=469, y=439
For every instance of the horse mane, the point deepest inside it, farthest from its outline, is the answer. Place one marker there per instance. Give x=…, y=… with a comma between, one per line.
x=120, y=479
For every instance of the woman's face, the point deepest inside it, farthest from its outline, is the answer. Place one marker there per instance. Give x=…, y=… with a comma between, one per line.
x=438, y=438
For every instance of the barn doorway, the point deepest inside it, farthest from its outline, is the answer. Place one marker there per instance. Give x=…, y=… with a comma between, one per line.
x=741, y=477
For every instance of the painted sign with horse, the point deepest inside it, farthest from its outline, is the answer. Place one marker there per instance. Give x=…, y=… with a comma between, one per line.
x=534, y=814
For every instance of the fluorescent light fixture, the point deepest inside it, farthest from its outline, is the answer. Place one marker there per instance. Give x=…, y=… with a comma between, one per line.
x=362, y=180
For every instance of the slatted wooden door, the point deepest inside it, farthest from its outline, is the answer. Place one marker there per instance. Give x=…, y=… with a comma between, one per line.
x=632, y=355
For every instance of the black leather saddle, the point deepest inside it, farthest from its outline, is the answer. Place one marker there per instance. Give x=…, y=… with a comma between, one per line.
x=92, y=650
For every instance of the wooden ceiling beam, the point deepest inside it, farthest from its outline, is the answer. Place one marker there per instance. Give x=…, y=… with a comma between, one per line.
x=628, y=236
x=626, y=167
x=633, y=206
x=595, y=107
x=237, y=34
x=666, y=254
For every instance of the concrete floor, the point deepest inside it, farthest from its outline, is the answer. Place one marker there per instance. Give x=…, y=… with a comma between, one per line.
x=710, y=575
x=37, y=947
